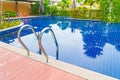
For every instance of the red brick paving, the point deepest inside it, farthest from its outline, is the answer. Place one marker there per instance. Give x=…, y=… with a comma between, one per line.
x=17, y=67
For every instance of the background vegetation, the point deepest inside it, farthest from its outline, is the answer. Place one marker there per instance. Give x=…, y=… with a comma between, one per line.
x=9, y=23
x=108, y=11
x=35, y=8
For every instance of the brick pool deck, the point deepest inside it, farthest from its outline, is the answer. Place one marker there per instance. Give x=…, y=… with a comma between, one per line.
x=17, y=67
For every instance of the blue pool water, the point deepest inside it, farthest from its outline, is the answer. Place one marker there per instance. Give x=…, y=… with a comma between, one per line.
x=93, y=45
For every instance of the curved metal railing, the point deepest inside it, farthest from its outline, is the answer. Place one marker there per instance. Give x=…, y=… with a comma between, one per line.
x=39, y=38
x=54, y=38
x=19, y=39
x=39, y=42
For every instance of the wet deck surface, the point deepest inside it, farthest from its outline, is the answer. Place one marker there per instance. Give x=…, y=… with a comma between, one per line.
x=17, y=67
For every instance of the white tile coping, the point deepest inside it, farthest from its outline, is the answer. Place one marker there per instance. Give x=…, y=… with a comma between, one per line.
x=78, y=71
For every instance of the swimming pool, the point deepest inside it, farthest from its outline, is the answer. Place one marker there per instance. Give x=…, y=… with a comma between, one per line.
x=93, y=45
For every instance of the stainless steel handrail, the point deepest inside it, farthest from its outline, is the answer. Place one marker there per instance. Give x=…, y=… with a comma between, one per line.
x=19, y=39
x=54, y=38
x=39, y=42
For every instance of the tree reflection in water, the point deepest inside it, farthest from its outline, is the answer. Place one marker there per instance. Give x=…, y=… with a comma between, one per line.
x=96, y=36
x=94, y=44
x=93, y=38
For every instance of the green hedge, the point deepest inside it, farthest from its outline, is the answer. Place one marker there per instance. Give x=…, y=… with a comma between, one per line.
x=10, y=14
x=7, y=23
x=85, y=13
x=110, y=10
x=56, y=12
x=35, y=9
x=60, y=13
x=80, y=12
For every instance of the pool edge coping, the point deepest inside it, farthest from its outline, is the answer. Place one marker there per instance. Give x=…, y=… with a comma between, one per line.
x=75, y=70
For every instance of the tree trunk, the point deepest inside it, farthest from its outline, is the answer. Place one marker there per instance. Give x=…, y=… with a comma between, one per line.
x=0, y=12
x=74, y=4
x=16, y=7
x=41, y=7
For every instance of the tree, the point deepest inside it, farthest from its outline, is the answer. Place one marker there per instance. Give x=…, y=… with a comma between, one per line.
x=74, y=4
x=16, y=6
x=41, y=6
x=79, y=1
x=64, y=4
x=91, y=2
x=0, y=13
x=110, y=10
x=46, y=4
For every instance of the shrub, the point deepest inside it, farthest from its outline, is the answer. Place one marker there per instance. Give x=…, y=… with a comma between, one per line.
x=110, y=10
x=35, y=9
x=55, y=12
x=63, y=13
x=85, y=13
x=46, y=6
x=9, y=23
x=95, y=14
x=80, y=12
x=10, y=14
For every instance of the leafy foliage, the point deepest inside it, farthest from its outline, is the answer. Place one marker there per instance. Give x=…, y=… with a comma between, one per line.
x=46, y=4
x=7, y=23
x=64, y=4
x=10, y=14
x=79, y=12
x=79, y=1
x=35, y=8
x=84, y=13
x=55, y=12
x=110, y=10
